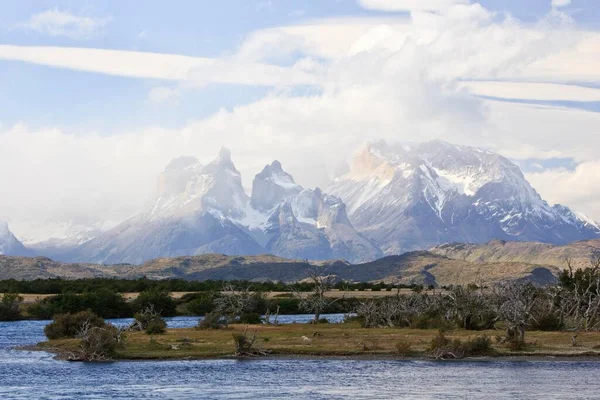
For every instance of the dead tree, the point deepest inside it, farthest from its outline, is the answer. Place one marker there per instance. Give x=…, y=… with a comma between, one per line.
x=244, y=345
x=235, y=302
x=316, y=301
x=514, y=303
x=98, y=343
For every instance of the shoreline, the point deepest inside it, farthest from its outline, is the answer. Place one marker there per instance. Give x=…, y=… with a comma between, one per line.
x=330, y=341
x=527, y=357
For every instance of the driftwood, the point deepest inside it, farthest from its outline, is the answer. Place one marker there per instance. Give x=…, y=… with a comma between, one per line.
x=244, y=345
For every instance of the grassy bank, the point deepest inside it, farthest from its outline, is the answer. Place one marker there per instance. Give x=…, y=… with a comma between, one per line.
x=326, y=340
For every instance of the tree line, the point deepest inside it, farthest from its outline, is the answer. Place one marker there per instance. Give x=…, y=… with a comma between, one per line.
x=59, y=285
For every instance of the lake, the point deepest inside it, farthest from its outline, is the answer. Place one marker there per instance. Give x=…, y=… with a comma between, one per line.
x=33, y=375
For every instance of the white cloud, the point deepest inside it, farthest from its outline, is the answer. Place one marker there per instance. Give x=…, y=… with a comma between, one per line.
x=63, y=23
x=532, y=91
x=410, y=5
x=578, y=188
x=560, y=3
x=163, y=94
x=397, y=79
x=157, y=66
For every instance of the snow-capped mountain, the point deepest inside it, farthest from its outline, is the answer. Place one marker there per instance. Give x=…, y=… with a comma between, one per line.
x=407, y=197
x=9, y=244
x=204, y=209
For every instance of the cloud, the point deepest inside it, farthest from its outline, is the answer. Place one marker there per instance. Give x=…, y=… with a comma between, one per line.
x=163, y=94
x=55, y=22
x=533, y=91
x=399, y=79
x=579, y=188
x=158, y=66
x=560, y=3
x=410, y=5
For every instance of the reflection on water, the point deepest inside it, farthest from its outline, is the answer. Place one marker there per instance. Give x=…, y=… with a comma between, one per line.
x=27, y=375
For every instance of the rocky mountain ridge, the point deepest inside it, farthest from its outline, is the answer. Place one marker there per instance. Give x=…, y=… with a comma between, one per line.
x=396, y=198
x=436, y=192
x=204, y=209
x=420, y=267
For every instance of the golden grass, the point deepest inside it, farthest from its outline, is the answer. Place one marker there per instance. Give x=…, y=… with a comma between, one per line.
x=330, y=340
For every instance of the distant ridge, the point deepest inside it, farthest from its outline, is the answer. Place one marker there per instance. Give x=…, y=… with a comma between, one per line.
x=579, y=253
x=420, y=267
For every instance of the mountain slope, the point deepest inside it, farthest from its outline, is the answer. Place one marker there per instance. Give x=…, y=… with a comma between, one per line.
x=416, y=267
x=189, y=217
x=9, y=244
x=414, y=197
x=204, y=209
x=580, y=253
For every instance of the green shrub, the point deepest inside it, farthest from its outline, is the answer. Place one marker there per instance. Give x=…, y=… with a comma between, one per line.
x=213, y=320
x=548, y=322
x=156, y=326
x=102, y=302
x=201, y=304
x=162, y=301
x=250, y=318
x=350, y=319
x=9, y=307
x=70, y=325
x=150, y=321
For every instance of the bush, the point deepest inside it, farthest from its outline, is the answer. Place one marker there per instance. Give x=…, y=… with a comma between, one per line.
x=480, y=346
x=201, y=304
x=350, y=319
x=443, y=347
x=102, y=302
x=440, y=341
x=106, y=303
x=9, y=307
x=99, y=342
x=150, y=321
x=515, y=344
x=403, y=348
x=156, y=326
x=548, y=322
x=162, y=301
x=250, y=318
x=70, y=325
x=213, y=320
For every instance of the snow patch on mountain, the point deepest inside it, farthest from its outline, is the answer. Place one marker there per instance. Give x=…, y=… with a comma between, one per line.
x=9, y=244
x=408, y=197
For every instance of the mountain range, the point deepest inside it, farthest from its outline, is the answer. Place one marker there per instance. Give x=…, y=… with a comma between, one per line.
x=394, y=199
x=418, y=267
x=9, y=244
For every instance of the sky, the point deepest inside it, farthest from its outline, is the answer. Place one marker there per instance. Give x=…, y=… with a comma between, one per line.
x=96, y=97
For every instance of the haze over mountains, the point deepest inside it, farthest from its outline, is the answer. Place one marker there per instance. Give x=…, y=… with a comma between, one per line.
x=395, y=198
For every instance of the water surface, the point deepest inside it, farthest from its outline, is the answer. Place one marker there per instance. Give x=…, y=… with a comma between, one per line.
x=32, y=375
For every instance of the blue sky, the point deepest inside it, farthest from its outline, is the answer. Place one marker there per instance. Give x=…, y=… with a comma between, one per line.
x=283, y=79
x=36, y=94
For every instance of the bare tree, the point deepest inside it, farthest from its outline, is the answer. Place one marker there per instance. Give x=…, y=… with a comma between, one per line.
x=514, y=304
x=235, y=302
x=316, y=301
x=244, y=345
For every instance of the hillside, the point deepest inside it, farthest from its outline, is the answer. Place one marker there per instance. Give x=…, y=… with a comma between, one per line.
x=580, y=252
x=415, y=267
